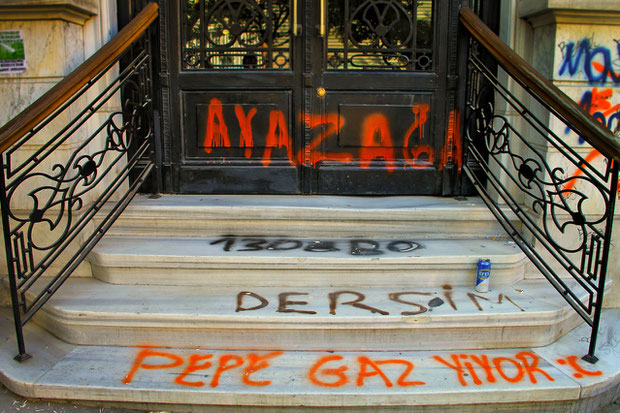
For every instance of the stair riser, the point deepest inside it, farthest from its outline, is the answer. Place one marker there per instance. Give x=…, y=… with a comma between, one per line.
x=167, y=226
x=298, y=262
x=372, y=319
x=373, y=337
x=317, y=216
x=298, y=276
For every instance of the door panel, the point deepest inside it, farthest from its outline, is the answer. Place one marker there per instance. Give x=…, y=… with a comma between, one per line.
x=385, y=86
x=379, y=142
x=232, y=84
x=243, y=135
x=310, y=96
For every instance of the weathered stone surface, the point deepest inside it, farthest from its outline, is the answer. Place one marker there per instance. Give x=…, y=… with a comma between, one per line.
x=539, y=379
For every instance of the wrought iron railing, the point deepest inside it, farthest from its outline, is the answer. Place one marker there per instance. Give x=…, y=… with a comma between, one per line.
x=86, y=142
x=565, y=201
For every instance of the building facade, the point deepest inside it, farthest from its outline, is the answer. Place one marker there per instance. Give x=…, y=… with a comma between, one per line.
x=324, y=103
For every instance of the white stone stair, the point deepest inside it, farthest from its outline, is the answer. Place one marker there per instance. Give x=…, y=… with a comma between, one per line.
x=182, y=379
x=304, y=241
x=408, y=280
x=372, y=287
x=303, y=262
x=306, y=216
x=91, y=312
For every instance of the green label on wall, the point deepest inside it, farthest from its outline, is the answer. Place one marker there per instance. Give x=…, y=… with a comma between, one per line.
x=12, y=55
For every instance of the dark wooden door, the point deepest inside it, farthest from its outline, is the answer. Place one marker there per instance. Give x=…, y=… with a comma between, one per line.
x=311, y=96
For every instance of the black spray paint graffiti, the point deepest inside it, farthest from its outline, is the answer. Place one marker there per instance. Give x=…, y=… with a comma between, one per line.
x=250, y=301
x=362, y=247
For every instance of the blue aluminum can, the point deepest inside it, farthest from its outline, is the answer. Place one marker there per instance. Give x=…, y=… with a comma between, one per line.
x=483, y=274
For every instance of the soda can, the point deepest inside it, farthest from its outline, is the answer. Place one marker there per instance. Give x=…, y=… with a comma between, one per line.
x=483, y=274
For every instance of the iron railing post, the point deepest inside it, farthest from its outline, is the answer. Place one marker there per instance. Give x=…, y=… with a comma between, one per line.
x=596, y=319
x=4, y=206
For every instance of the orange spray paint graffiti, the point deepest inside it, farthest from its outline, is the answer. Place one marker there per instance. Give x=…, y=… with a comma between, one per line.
x=512, y=370
x=192, y=367
x=453, y=148
x=598, y=103
x=335, y=122
x=245, y=123
x=147, y=353
x=339, y=372
x=278, y=137
x=214, y=369
x=227, y=362
x=376, y=139
x=198, y=362
x=367, y=368
x=217, y=131
x=255, y=363
x=580, y=372
x=414, y=154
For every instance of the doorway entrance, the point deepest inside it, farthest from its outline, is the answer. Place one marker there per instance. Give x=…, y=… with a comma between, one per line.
x=311, y=96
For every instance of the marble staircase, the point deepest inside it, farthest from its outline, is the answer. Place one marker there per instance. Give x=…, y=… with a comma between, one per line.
x=202, y=303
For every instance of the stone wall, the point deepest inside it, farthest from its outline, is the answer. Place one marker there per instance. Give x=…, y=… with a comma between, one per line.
x=58, y=36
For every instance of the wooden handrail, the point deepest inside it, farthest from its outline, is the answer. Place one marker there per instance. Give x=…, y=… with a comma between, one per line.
x=591, y=130
x=17, y=127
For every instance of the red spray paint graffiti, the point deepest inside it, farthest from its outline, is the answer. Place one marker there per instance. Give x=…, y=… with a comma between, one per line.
x=215, y=369
x=278, y=137
x=217, y=131
x=245, y=123
x=580, y=372
x=376, y=141
x=376, y=138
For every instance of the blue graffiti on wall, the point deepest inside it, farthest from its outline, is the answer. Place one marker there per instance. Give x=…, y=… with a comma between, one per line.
x=597, y=63
x=598, y=103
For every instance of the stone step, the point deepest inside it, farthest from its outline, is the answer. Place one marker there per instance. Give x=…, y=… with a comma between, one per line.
x=90, y=312
x=306, y=216
x=302, y=262
x=182, y=378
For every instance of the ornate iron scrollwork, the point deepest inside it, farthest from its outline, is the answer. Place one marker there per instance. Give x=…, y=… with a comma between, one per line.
x=381, y=24
x=228, y=20
x=50, y=194
x=565, y=203
x=59, y=195
x=236, y=34
x=550, y=190
x=380, y=35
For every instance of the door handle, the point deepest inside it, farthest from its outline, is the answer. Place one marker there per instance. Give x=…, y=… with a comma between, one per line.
x=296, y=26
x=322, y=28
